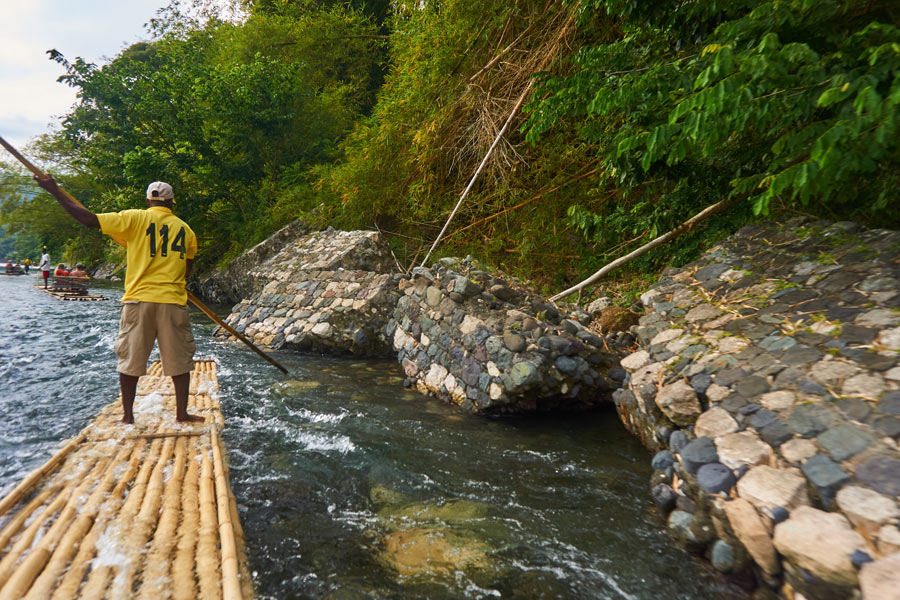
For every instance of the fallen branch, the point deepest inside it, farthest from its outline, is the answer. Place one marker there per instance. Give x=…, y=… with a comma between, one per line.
x=684, y=227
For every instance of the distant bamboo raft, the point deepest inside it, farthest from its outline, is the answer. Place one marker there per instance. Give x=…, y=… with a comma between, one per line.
x=143, y=511
x=64, y=295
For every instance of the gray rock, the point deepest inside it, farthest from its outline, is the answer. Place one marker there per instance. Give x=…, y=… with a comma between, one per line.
x=845, y=441
x=882, y=474
x=722, y=556
x=678, y=401
x=825, y=474
x=715, y=478
x=775, y=434
x=566, y=365
x=697, y=453
x=809, y=420
x=678, y=440
x=751, y=386
x=513, y=341
x=662, y=460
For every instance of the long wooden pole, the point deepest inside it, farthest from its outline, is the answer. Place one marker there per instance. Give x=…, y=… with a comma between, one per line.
x=196, y=302
x=686, y=226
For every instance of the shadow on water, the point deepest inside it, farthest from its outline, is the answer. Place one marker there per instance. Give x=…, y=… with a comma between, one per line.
x=350, y=486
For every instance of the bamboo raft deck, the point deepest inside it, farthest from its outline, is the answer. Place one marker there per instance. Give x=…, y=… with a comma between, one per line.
x=143, y=511
x=63, y=295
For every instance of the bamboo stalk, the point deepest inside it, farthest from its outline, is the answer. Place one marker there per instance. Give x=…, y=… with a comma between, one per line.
x=8, y=564
x=22, y=515
x=207, y=553
x=246, y=581
x=29, y=569
x=183, y=584
x=686, y=226
x=143, y=525
x=71, y=539
x=155, y=581
x=71, y=581
x=98, y=578
x=231, y=584
x=20, y=490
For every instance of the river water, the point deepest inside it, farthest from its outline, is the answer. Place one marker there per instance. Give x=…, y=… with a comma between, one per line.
x=349, y=486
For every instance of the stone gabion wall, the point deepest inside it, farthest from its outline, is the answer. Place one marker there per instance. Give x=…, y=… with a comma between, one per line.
x=492, y=346
x=330, y=291
x=768, y=382
x=246, y=275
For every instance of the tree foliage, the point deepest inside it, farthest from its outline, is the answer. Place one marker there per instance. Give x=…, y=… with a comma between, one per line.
x=789, y=103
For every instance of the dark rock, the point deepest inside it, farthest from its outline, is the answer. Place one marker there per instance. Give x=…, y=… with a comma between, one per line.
x=513, y=341
x=662, y=460
x=788, y=377
x=762, y=418
x=855, y=408
x=854, y=334
x=710, y=272
x=859, y=558
x=749, y=409
x=811, y=387
x=779, y=514
x=678, y=440
x=566, y=365
x=882, y=474
x=722, y=557
x=890, y=403
x=844, y=441
x=728, y=377
x=663, y=433
x=700, y=382
x=715, y=478
x=809, y=420
x=664, y=497
x=617, y=374
x=800, y=355
x=697, y=453
x=751, y=386
x=775, y=434
x=825, y=474
x=887, y=425
x=733, y=403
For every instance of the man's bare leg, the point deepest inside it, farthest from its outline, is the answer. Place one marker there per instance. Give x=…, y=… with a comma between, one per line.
x=128, y=385
x=182, y=388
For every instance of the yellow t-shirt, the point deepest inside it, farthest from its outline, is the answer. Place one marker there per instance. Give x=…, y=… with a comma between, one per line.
x=157, y=243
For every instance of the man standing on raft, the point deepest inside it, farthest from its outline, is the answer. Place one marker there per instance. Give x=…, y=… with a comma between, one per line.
x=160, y=251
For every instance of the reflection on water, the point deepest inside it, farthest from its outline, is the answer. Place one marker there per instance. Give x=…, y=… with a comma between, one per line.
x=350, y=486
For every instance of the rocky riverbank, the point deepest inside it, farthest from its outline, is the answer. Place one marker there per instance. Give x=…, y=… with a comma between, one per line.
x=768, y=383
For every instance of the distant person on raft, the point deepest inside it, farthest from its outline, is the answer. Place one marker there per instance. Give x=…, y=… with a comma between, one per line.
x=78, y=271
x=45, y=266
x=160, y=251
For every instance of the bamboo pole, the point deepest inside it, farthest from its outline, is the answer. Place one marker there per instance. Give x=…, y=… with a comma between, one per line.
x=686, y=226
x=29, y=569
x=207, y=554
x=98, y=578
x=142, y=526
x=155, y=582
x=183, y=584
x=74, y=575
x=11, y=528
x=69, y=542
x=23, y=488
x=231, y=584
x=8, y=564
x=246, y=582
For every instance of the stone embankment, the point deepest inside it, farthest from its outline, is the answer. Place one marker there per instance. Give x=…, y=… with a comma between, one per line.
x=489, y=345
x=768, y=383
x=328, y=291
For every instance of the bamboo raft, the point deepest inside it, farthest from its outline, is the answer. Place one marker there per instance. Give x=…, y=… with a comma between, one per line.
x=63, y=295
x=143, y=511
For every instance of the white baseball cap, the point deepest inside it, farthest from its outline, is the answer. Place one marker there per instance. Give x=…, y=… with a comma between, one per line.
x=160, y=190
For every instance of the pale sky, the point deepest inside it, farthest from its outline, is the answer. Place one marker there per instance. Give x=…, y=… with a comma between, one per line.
x=96, y=30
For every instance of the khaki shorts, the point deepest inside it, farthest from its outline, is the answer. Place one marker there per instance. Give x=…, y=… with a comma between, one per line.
x=141, y=324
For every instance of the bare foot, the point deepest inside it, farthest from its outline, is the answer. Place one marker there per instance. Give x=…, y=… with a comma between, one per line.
x=128, y=420
x=186, y=418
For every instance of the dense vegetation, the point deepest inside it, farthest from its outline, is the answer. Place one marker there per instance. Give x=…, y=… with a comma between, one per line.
x=376, y=114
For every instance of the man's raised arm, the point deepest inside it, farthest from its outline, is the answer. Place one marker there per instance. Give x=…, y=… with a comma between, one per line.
x=78, y=212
